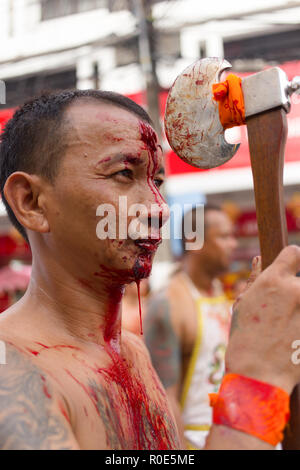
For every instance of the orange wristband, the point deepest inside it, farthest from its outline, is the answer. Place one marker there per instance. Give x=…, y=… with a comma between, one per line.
x=230, y=96
x=251, y=406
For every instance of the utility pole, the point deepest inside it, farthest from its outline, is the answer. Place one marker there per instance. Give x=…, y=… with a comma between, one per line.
x=143, y=12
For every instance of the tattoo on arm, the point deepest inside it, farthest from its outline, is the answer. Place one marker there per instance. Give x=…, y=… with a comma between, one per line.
x=162, y=341
x=27, y=418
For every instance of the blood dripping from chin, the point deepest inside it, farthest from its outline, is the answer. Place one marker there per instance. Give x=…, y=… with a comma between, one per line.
x=113, y=309
x=138, y=282
x=145, y=428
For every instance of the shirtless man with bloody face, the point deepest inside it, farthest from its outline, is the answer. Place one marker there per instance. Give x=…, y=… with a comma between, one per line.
x=71, y=380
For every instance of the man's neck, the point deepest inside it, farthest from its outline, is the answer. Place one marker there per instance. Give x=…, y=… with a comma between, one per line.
x=83, y=309
x=201, y=278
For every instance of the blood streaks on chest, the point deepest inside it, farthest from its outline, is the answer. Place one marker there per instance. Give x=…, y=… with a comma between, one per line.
x=147, y=428
x=45, y=387
x=35, y=352
x=119, y=388
x=118, y=393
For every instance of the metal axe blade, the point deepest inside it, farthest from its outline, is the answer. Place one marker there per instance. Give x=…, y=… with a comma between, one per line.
x=192, y=123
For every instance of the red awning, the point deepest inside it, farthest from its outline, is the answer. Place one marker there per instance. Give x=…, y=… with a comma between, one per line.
x=5, y=115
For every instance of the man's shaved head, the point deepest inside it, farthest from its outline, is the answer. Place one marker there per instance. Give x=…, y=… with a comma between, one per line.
x=34, y=140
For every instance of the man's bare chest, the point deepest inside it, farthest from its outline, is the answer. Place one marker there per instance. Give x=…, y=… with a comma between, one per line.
x=112, y=403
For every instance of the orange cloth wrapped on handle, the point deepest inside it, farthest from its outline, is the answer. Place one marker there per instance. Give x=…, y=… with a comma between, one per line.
x=229, y=95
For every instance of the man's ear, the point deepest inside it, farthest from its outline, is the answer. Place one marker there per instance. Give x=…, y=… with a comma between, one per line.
x=25, y=195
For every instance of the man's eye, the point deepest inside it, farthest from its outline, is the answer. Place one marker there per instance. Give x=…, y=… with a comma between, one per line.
x=158, y=182
x=126, y=172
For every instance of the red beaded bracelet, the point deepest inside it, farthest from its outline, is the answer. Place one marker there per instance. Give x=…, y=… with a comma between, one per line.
x=251, y=406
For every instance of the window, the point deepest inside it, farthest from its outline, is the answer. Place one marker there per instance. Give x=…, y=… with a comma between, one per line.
x=57, y=8
x=21, y=89
x=278, y=47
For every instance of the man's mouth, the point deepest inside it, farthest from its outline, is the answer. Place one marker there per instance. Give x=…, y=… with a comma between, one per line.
x=148, y=244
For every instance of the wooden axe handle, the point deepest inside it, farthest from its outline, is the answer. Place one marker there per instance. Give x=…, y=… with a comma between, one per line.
x=267, y=134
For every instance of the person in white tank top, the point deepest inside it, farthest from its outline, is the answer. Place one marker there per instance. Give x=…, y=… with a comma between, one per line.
x=206, y=366
x=187, y=325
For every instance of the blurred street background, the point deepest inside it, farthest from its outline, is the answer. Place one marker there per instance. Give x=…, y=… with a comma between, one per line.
x=137, y=48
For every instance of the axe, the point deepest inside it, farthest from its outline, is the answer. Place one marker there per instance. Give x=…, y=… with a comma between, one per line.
x=195, y=133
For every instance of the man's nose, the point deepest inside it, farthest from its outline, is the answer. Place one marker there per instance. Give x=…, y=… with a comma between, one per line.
x=159, y=214
x=154, y=218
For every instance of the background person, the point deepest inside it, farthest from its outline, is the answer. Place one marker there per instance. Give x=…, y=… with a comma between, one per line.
x=187, y=325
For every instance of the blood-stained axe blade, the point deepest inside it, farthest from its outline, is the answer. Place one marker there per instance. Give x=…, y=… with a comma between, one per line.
x=192, y=122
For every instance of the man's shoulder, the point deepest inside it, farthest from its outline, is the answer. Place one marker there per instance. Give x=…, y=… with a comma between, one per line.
x=13, y=343
x=17, y=363
x=134, y=347
x=160, y=306
x=173, y=300
x=12, y=355
x=13, y=328
x=28, y=415
x=164, y=316
x=170, y=294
